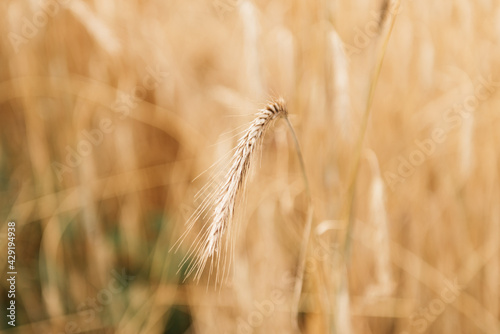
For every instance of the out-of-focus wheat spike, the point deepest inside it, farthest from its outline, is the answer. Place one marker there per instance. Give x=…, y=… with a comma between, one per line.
x=465, y=146
x=251, y=30
x=426, y=59
x=282, y=43
x=224, y=199
x=341, y=103
x=497, y=23
x=384, y=283
x=95, y=26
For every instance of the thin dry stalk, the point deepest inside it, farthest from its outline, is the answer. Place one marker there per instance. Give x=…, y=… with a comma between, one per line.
x=359, y=145
x=223, y=199
x=305, y=239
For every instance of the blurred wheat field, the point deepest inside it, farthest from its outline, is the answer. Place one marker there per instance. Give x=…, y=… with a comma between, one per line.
x=112, y=114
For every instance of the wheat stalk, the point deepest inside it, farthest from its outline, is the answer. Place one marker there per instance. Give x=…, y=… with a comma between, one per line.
x=219, y=204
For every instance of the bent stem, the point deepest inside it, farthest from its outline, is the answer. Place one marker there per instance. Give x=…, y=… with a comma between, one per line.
x=307, y=232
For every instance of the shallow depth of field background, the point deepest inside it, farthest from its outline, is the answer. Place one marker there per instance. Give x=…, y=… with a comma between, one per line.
x=165, y=88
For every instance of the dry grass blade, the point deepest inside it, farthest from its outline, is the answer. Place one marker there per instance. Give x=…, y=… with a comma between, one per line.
x=219, y=204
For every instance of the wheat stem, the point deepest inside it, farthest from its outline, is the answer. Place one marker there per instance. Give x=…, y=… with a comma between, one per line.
x=307, y=230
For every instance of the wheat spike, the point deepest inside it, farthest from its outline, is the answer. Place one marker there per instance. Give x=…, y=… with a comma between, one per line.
x=219, y=204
